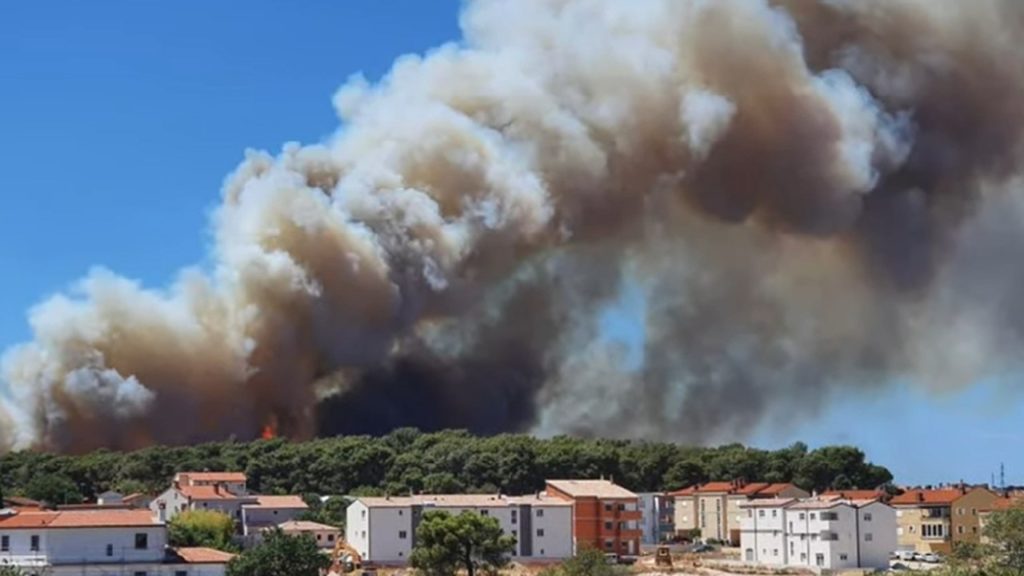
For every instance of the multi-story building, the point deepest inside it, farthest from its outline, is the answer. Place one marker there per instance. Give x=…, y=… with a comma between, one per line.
x=999, y=504
x=113, y=541
x=658, y=513
x=934, y=520
x=606, y=516
x=324, y=535
x=714, y=509
x=383, y=530
x=234, y=482
x=181, y=497
x=268, y=511
x=822, y=533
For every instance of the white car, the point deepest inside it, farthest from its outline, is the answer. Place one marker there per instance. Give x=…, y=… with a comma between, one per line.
x=906, y=555
x=931, y=558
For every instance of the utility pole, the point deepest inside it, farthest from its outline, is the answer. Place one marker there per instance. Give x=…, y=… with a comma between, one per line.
x=1002, y=476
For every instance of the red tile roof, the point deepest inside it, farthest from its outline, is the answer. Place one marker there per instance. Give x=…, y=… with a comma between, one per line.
x=927, y=497
x=203, y=556
x=234, y=477
x=716, y=487
x=753, y=488
x=775, y=489
x=1006, y=503
x=79, y=519
x=688, y=491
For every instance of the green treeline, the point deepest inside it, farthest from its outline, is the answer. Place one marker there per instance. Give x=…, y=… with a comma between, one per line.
x=441, y=462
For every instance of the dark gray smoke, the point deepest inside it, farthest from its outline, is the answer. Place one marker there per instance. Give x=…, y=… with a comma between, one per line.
x=812, y=196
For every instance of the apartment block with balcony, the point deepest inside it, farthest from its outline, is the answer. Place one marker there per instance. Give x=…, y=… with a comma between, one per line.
x=658, y=517
x=715, y=508
x=605, y=516
x=934, y=520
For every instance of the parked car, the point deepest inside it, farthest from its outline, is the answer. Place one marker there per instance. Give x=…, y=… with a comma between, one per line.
x=701, y=548
x=906, y=555
x=931, y=558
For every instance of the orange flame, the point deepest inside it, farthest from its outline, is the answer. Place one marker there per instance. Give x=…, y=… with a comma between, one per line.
x=270, y=429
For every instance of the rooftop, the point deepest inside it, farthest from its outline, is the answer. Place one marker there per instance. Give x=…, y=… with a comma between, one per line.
x=306, y=526
x=277, y=502
x=80, y=519
x=234, y=477
x=768, y=503
x=942, y=496
x=202, y=556
x=210, y=493
x=461, y=501
x=591, y=489
x=1006, y=503
x=857, y=494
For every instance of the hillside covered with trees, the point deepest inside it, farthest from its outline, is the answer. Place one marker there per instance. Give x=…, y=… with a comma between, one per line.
x=450, y=461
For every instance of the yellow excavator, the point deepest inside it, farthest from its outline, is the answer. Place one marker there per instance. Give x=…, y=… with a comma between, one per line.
x=346, y=559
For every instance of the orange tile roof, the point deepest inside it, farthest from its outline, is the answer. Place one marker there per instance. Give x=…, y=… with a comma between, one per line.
x=104, y=518
x=591, y=489
x=688, y=491
x=1006, y=503
x=927, y=497
x=212, y=476
x=203, y=556
x=716, y=487
x=775, y=489
x=753, y=488
x=27, y=520
x=278, y=502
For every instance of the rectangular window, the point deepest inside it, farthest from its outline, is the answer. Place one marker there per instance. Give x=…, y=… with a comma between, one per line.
x=180, y=573
x=514, y=516
x=867, y=517
x=801, y=515
x=141, y=541
x=485, y=512
x=959, y=529
x=869, y=537
x=5, y=543
x=402, y=534
x=330, y=537
x=607, y=507
x=540, y=532
x=140, y=574
x=608, y=544
x=607, y=525
x=974, y=511
x=34, y=543
x=110, y=549
x=775, y=513
x=540, y=513
x=842, y=557
x=775, y=551
x=622, y=507
x=750, y=514
x=400, y=512
x=760, y=513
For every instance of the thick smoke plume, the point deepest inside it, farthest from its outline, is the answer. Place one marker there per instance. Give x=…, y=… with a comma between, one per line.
x=810, y=196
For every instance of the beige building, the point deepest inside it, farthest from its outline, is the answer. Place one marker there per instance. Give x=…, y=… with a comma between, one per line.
x=997, y=505
x=935, y=520
x=325, y=536
x=715, y=508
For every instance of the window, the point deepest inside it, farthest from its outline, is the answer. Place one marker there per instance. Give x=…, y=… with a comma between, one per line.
x=607, y=525
x=319, y=537
x=514, y=516
x=974, y=511
x=974, y=529
x=34, y=543
x=829, y=516
x=933, y=531
x=608, y=544
x=485, y=512
x=141, y=541
x=5, y=543
x=775, y=513
x=801, y=515
x=364, y=514
x=180, y=573
x=842, y=557
x=364, y=534
x=402, y=534
x=775, y=552
x=140, y=574
x=812, y=516
x=540, y=513
x=607, y=507
x=960, y=511
x=819, y=559
x=803, y=557
x=867, y=517
x=110, y=549
x=750, y=514
x=540, y=532
x=622, y=507
x=541, y=551
x=400, y=512
x=911, y=529
x=330, y=537
x=959, y=529
x=869, y=537
x=760, y=513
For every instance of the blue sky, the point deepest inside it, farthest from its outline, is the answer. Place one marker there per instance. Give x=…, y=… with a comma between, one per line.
x=119, y=121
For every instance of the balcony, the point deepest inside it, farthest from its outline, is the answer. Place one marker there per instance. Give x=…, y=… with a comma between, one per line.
x=627, y=515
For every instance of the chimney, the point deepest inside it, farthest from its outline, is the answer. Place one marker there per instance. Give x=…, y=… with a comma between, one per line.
x=920, y=496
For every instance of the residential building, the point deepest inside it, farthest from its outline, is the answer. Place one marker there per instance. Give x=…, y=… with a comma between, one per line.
x=714, y=509
x=934, y=520
x=821, y=533
x=383, y=530
x=658, y=517
x=606, y=516
x=858, y=495
x=98, y=541
x=181, y=497
x=269, y=511
x=234, y=482
x=325, y=536
x=998, y=504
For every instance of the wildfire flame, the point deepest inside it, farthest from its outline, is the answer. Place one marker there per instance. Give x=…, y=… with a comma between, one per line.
x=270, y=429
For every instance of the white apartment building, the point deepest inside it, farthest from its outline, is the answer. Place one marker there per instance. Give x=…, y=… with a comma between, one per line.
x=658, y=517
x=383, y=530
x=99, y=542
x=822, y=533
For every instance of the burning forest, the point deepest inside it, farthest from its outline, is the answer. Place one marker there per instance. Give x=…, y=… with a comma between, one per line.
x=812, y=197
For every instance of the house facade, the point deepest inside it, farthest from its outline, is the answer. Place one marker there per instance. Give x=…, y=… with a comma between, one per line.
x=715, y=509
x=324, y=535
x=269, y=511
x=383, y=530
x=606, y=516
x=658, y=513
x=818, y=533
x=118, y=541
x=935, y=520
